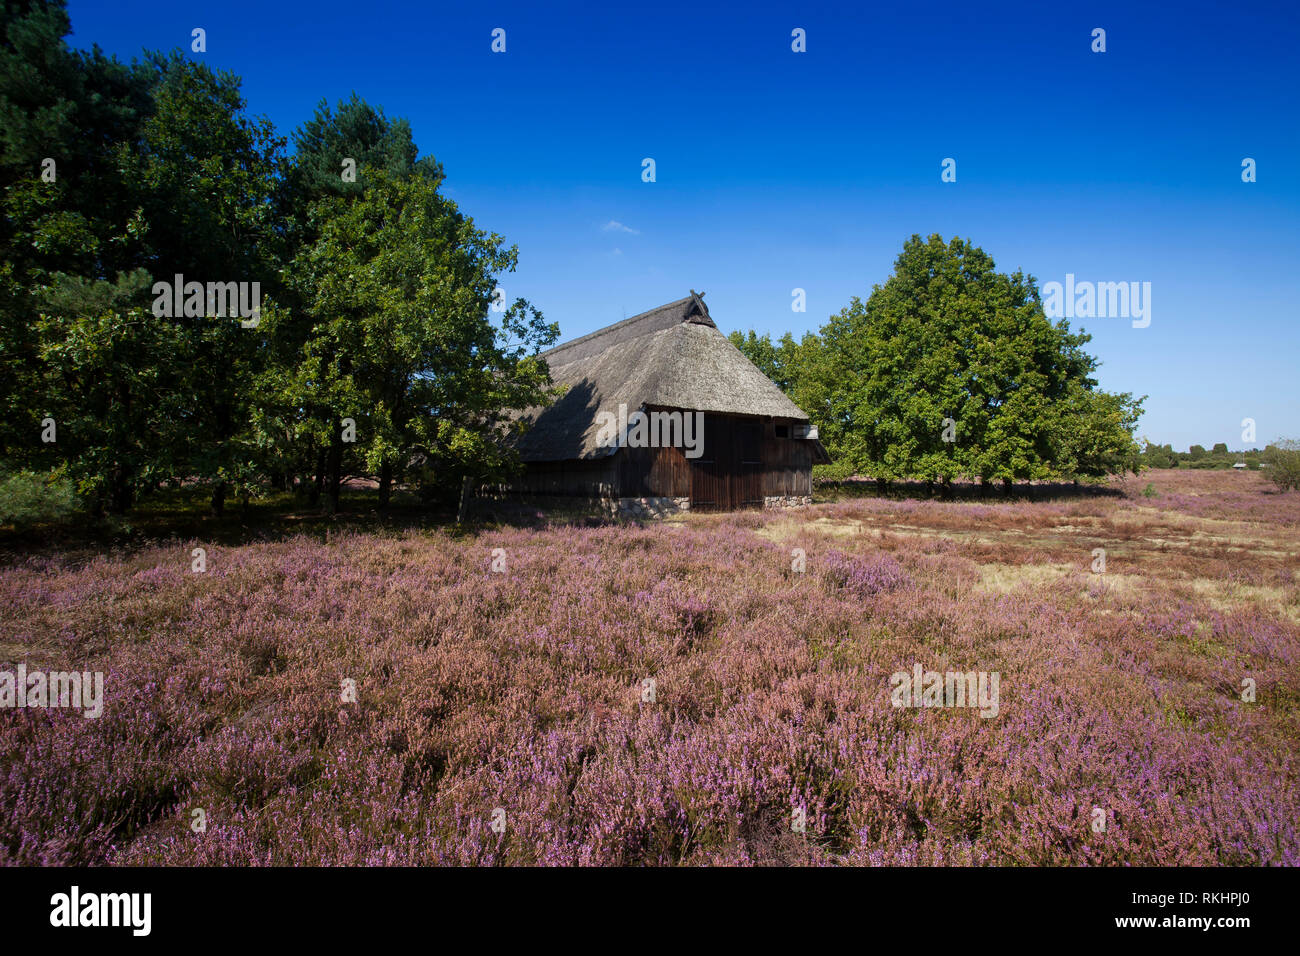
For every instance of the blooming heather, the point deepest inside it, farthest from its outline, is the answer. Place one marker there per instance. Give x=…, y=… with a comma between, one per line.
x=524, y=690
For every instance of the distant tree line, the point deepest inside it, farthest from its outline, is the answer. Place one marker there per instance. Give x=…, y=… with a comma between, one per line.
x=1164, y=456
x=951, y=370
x=338, y=315
x=1281, y=459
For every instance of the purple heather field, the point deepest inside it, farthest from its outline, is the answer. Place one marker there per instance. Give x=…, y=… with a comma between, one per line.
x=1121, y=693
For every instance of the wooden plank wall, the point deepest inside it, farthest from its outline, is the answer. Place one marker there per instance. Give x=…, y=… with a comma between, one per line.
x=743, y=462
x=787, y=464
x=651, y=472
x=732, y=471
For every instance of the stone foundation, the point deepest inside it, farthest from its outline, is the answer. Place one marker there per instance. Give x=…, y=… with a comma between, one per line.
x=648, y=507
x=786, y=501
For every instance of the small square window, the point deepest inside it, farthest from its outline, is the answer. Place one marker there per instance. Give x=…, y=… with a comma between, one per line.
x=782, y=431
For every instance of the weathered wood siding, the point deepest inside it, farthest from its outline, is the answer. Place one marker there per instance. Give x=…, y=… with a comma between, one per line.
x=743, y=461
x=729, y=472
x=645, y=472
x=787, y=464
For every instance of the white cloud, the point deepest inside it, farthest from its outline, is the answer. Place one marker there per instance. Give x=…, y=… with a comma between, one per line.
x=615, y=226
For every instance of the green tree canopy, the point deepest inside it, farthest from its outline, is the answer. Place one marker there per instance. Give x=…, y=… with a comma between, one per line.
x=118, y=176
x=397, y=291
x=951, y=369
x=375, y=292
x=358, y=133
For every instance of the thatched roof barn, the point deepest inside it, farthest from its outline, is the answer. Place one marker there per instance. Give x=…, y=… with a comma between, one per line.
x=713, y=431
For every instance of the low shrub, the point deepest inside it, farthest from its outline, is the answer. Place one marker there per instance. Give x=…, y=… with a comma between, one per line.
x=28, y=498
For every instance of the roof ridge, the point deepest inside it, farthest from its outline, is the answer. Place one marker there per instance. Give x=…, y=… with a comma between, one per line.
x=694, y=303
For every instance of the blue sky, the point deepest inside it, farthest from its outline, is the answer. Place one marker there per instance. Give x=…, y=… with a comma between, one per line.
x=779, y=170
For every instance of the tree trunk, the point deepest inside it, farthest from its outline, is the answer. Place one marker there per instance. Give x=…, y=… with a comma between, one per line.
x=219, y=499
x=466, y=486
x=119, y=495
x=334, y=475
x=385, y=485
x=318, y=483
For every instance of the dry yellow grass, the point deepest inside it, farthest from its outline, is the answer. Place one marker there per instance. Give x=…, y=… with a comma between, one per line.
x=1231, y=559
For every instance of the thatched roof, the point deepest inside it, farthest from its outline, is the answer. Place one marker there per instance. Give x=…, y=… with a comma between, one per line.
x=670, y=357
